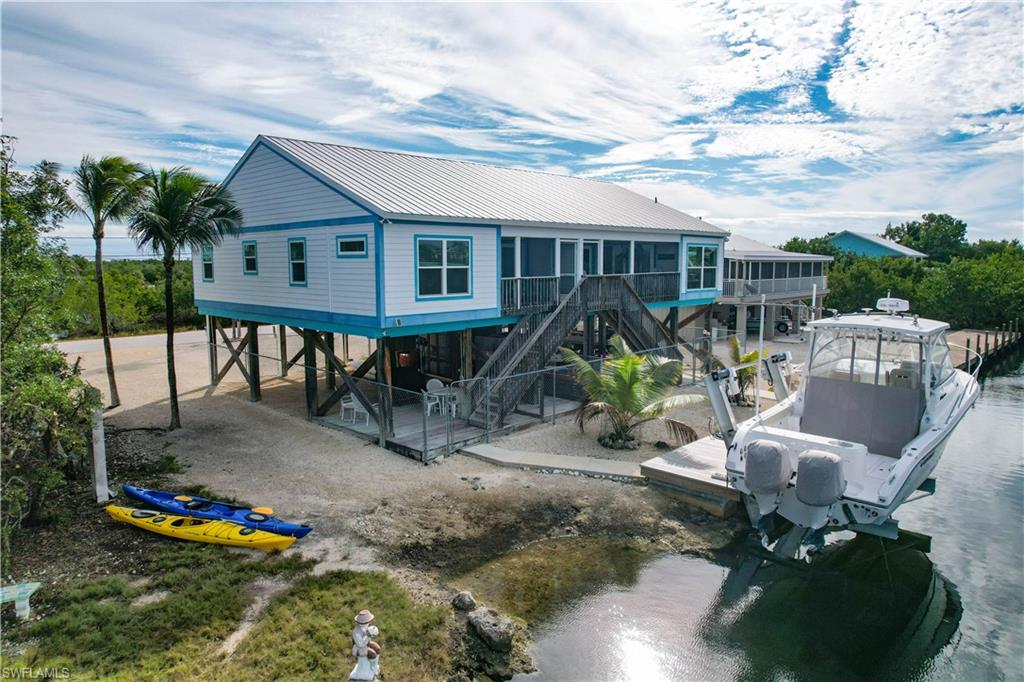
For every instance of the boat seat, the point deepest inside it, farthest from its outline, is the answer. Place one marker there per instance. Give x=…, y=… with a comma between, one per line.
x=884, y=418
x=903, y=377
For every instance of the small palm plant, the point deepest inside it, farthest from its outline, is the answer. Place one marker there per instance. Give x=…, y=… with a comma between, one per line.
x=180, y=210
x=746, y=376
x=629, y=390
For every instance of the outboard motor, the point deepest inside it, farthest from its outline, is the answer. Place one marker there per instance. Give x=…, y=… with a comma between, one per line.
x=819, y=485
x=767, y=473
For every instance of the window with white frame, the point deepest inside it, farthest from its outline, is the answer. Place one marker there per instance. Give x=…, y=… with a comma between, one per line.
x=250, y=264
x=351, y=246
x=701, y=266
x=443, y=266
x=207, y=258
x=297, y=262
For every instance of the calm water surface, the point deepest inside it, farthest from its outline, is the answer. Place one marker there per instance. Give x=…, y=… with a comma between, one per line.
x=664, y=617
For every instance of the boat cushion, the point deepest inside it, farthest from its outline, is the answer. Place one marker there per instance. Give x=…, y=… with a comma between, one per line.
x=767, y=468
x=884, y=418
x=819, y=478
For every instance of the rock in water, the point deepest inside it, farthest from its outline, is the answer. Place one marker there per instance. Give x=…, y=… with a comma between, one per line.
x=464, y=601
x=495, y=630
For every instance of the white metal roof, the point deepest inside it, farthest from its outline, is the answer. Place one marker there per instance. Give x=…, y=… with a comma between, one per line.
x=906, y=324
x=400, y=186
x=744, y=248
x=887, y=243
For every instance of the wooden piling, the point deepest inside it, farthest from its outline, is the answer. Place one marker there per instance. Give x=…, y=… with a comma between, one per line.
x=211, y=341
x=309, y=360
x=328, y=367
x=254, y=362
x=282, y=342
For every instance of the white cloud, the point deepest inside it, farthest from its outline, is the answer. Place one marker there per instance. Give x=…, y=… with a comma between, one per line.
x=638, y=93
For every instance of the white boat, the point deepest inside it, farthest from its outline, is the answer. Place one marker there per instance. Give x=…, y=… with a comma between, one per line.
x=877, y=402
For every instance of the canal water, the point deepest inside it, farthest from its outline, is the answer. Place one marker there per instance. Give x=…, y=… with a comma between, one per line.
x=620, y=612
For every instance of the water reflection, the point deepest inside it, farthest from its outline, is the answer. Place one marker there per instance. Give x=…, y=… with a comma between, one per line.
x=867, y=609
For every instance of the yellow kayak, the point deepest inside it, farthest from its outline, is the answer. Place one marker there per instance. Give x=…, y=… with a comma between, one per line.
x=200, y=530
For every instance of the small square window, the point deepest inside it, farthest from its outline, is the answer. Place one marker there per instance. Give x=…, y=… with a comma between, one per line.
x=351, y=247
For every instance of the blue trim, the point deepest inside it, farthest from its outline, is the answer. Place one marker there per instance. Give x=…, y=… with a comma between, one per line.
x=378, y=254
x=301, y=224
x=362, y=325
x=449, y=326
x=447, y=316
x=305, y=262
x=682, y=302
x=352, y=237
x=255, y=272
x=497, y=267
x=443, y=222
x=203, y=250
x=444, y=269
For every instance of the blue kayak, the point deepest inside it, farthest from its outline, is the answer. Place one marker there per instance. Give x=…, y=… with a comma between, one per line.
x=256, y=517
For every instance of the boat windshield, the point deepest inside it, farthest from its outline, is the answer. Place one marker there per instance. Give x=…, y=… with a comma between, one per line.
x=883, y=358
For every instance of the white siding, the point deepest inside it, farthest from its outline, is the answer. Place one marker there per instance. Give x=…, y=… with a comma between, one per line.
x=271, y=190
x=332, y=284
x=400, y=269
x=353, y=280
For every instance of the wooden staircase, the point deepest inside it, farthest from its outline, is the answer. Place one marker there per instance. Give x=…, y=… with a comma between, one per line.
x=512, y=369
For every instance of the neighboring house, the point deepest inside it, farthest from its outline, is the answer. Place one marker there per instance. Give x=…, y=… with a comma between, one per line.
x=440, y=259
x=783, y=277
x=872, y=245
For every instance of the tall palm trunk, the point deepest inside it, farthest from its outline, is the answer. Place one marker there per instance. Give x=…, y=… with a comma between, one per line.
x=101, y=294
x=172, y=380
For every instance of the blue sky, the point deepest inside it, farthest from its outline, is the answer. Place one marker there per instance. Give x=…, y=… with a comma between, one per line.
x=772, y=119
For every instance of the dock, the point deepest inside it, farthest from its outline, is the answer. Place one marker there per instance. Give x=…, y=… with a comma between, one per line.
x=988, y=343
x=697, y=473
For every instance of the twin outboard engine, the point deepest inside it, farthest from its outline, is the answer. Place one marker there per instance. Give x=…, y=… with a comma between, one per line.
x=767, y=473
x=819, y=485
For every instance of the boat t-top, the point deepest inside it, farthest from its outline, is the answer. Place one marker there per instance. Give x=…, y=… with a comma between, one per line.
x=877, y=402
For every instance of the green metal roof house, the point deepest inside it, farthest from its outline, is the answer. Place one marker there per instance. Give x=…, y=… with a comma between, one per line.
x=872, y=245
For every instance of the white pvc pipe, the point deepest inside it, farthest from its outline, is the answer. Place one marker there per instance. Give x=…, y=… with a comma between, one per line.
x=814, y=299
x=99, y=459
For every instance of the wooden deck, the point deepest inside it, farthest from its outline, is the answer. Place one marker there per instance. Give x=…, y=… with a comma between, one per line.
x=988, y=343
x=435, y=434
x=697, y=472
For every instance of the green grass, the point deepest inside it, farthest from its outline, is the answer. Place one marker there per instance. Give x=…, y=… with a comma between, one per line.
x=307, y=632
x=93, y=630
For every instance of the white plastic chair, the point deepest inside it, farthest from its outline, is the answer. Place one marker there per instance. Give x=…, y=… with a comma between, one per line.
x=434, y=385
x=431, y=401
x=350, y=404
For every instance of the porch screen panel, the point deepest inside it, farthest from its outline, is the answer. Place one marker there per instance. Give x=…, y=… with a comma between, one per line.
x=655, y=257
x=616, y=257
x=537, y=257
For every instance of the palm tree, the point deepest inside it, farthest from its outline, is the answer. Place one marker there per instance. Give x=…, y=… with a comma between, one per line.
x=107, y=190
x=629, y=390
x=180, y=210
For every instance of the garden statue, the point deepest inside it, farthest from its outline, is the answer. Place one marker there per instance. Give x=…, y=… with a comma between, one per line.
x=366, y=651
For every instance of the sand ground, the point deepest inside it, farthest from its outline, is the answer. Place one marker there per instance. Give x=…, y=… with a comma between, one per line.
x=369, y=507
